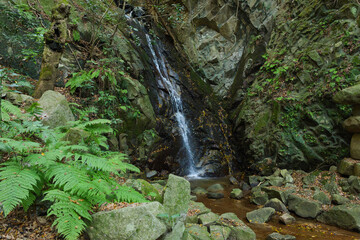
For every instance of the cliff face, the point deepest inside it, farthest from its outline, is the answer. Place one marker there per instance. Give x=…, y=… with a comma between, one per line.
x=277, y=64
x=257, y=76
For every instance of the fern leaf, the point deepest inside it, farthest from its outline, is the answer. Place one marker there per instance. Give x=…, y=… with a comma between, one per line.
x=66, y=177
x=10, y=145
x=70, y=212
x=8, y=109
x=128, y=194
x=16, y=185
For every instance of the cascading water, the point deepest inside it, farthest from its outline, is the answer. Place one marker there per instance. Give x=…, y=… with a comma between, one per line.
x=174, y=91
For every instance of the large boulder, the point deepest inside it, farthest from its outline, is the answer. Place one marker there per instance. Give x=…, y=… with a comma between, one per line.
x=304, y=207
x=344, y=216
x=261, y=215
x=176, y=195
x=197, y=232
x=346, y=166
x=56, y=110
x=350, y=95
x=219, y=232
x=177, y=232
x=352, y=124
x=355, y=146
x=208, y=218
x=133, y=223
x=239, y=231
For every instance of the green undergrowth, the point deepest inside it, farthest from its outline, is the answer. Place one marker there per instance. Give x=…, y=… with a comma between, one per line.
x=39, y=165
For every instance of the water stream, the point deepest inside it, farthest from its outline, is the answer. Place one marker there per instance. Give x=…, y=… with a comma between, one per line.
x=174, y=91
x=302, y=229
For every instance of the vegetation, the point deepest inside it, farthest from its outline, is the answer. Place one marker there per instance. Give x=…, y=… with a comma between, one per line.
x=75, y=177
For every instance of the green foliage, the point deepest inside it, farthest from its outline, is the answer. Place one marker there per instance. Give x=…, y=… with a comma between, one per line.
x=74, y=177
x=83, y=79
x=11, y=79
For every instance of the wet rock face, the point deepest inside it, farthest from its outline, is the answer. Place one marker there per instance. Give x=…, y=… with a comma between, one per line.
x=289, y=119
x=217, y=34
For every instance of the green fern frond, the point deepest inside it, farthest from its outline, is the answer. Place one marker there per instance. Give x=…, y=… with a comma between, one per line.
x=98, y=126
x=27, y=202
x=66, y=177
x=10, y=145
x=70, y=212
x=96, y=163
x=8, y=109
x=45, y=159
x=128, y=194
x=16, y=185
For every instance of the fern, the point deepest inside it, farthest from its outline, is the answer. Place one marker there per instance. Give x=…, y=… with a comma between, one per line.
x=8, y=109
x=16, y=186
x=77, y=177
x=70, y=211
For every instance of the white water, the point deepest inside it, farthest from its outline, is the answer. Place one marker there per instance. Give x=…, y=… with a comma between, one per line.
x=175, y=95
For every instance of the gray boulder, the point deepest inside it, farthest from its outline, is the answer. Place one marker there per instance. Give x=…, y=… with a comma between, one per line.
x=261, y=215
x=176, y=195
x=239, y=231
x=277, y=205
x=197, y=232
x=304, y=207
x=215, y=195
x=287, y=219
x=259, y=197
x=322, y=197
x=344, y=216
x=219, y=232
x=199, y=191
x=236, y=193
x=56, y=110
x=208, y=218
x=177, y=232
x=278, y=236
x=215, y=188
x=337, y=199
x=133, y=223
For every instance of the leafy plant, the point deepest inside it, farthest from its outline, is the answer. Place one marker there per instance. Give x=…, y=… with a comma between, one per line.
x=74, y=177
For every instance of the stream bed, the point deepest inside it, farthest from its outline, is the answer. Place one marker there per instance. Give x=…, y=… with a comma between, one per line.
x=302, y=229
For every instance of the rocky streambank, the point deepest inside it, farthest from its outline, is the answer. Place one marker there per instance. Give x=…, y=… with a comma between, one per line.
x=288, y=204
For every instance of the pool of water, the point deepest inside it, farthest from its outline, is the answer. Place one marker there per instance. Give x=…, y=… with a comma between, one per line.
x=302, y=229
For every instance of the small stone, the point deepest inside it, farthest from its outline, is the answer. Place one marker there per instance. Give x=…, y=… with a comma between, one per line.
x=197, y=232
x=333, y=169
x=277, y=205
x=233, y=181
x=236, y=193
x=355, y=183
x=215, y=195
x=199, y=191
x=338, y=199
x=193, y=198
x=151, y=174
x=287, y=219
x=245, y=186
x=41, y=220
x=198, y=207
x=261, y=215
x=215, y=188
x=278, y=236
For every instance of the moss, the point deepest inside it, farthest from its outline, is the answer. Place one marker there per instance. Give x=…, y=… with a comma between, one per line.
x=262, y=122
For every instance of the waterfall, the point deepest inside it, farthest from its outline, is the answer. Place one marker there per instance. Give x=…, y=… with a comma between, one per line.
x=160, y=63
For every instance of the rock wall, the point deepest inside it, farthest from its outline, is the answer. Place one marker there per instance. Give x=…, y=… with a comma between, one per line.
x=284, y=114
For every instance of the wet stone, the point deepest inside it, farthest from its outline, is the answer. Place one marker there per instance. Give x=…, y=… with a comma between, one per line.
x=259, y=197
x=236, y=194
x=338, y=199
x=261, y=215
x=215, y=195
x=215, y=188
x=278, y=236
x=208, y=218
x=277, y=205
x=287, y=219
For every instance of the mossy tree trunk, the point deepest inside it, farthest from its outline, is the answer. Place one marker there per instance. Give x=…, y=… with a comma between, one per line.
x=55, y=39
